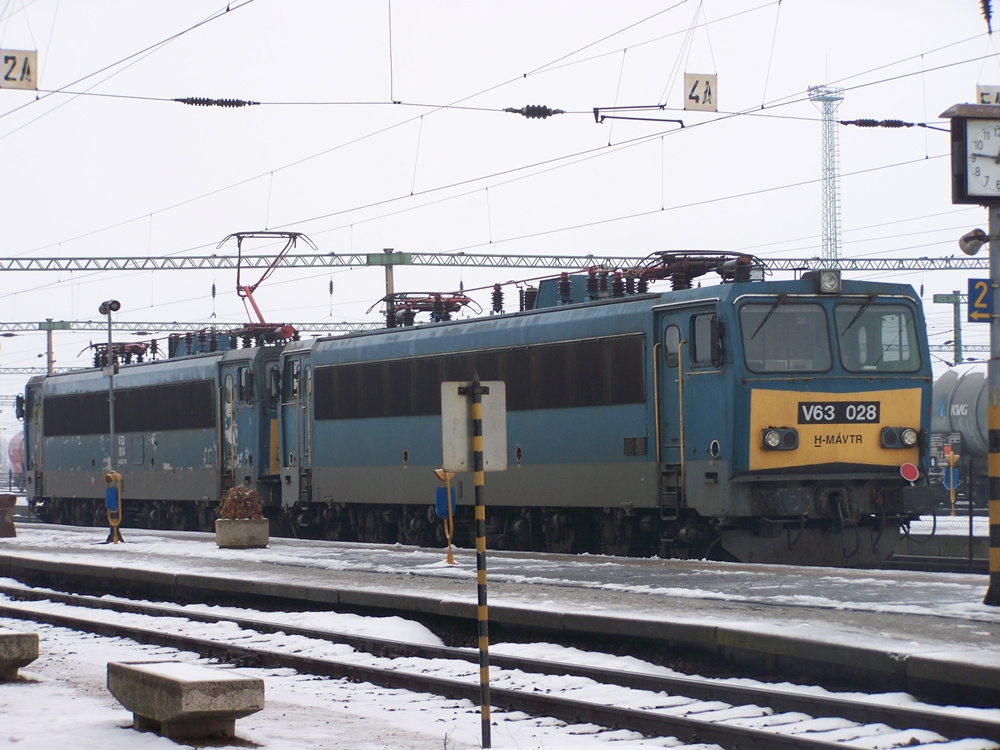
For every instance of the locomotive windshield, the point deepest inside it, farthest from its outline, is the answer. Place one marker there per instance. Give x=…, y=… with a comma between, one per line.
x=879, y=338
x=782, y=336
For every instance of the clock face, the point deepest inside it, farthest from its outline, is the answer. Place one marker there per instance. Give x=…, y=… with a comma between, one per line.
x=982, y=155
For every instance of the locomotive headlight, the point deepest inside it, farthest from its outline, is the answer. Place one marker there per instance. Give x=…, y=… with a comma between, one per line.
x=899, y=437
x=829, y=281
x=781, y=439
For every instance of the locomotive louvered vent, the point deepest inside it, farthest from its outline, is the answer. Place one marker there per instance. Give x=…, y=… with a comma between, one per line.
x=598, y=372
x=180, y=406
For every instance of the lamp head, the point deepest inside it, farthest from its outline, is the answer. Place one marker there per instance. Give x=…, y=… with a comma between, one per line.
x=109, y=306
x=972, y=241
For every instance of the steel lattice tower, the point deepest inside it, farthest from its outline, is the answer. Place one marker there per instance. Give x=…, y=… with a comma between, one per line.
x=830, y=99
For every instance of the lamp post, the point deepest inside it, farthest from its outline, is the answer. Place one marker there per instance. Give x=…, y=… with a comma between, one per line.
x=112, y=477
x=107, y=307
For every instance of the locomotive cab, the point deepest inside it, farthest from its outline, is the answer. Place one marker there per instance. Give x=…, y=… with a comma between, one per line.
x=789, y=416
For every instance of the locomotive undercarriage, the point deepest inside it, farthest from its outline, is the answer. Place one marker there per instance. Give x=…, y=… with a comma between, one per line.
x=794, y=523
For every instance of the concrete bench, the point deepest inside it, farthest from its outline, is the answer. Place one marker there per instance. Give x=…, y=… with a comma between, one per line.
x=183, y=701
x=16, y=650
x=7, y=503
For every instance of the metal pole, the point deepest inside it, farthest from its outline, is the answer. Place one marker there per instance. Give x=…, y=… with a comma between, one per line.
x=958, y=327
x=111, y=399
x=992, y=597
x=479, y=477
x=390, y=290
x=970, y=496
x=48, y=337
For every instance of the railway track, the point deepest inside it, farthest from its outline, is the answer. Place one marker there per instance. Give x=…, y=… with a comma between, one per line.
x=745, y=716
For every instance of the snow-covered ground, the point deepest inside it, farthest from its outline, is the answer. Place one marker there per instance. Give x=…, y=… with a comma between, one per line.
x=64, y=701
x=61, y=701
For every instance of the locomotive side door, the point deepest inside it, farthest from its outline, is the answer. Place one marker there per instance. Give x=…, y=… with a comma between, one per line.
x=669, y=369
x=34, y=465
x=296, y=430
x=692, y=399
x=239, y=425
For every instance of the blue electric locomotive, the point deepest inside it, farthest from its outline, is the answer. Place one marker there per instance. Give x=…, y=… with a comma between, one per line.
x=186, y=428
x=778, y=421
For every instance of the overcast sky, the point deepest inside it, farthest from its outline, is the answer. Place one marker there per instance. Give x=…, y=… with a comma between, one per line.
x=109, y=165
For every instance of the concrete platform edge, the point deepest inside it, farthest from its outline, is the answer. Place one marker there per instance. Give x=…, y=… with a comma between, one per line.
x=929, y=675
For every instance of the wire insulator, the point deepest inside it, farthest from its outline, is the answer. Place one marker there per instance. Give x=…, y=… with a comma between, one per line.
x=535, y=111
x=870, y=123
x=200, y=101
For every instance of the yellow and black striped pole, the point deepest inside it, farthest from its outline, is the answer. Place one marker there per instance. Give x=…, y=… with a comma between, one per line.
x=993, y=415
x=993, y=592
x=484, y=629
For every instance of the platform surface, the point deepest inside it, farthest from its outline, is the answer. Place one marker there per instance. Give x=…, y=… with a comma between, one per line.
x=935, y=622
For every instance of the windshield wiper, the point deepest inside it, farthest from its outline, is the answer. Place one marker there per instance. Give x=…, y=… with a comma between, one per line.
x=858, y=314
x=777, y=303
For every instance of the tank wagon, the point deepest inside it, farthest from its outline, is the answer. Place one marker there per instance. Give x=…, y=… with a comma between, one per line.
x=769, y=421
x=959, y=420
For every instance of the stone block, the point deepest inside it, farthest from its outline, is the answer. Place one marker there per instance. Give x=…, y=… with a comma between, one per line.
x=16, y=650
x=184, y=701
x=7, y=503
x=242, y=533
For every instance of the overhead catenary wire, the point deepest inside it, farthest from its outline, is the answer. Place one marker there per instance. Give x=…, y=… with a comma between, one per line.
x=536, y=71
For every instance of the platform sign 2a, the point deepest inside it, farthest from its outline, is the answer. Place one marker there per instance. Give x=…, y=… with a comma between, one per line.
x=20, y=69
x=980, y=301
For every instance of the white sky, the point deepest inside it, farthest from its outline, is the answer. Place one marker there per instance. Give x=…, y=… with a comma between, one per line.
x=120, y=172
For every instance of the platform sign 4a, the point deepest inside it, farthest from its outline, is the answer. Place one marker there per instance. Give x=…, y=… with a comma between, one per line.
x=980, y=301
x=20, y=69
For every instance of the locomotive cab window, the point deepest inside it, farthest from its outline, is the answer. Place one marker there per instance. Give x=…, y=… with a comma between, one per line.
x=671, y=345
x=290, y=382
x=782, y=336
x=273, y=385
x=244, y=385
x=707, y=349
x=877, y=337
